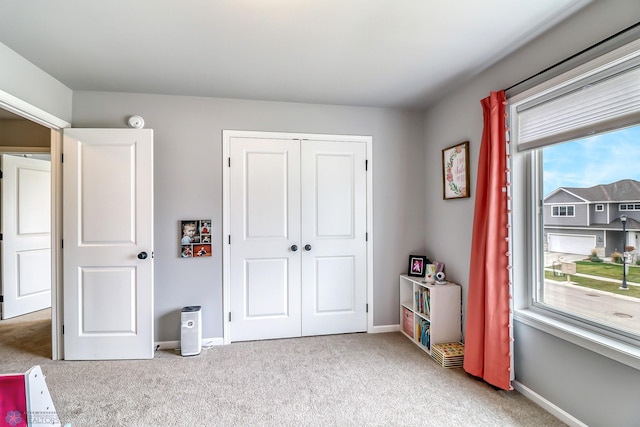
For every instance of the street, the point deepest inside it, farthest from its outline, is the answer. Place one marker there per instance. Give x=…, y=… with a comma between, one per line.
x=618, y=310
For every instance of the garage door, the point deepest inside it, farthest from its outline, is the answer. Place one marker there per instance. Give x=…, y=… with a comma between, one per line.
x=571, y=244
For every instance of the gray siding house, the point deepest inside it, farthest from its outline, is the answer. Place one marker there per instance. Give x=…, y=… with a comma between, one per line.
x=578, y=220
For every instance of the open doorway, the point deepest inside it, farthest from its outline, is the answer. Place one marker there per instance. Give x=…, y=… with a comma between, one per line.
x=29, y=327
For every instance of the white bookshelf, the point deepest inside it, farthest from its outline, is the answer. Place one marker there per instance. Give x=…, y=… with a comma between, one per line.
x=442, y=315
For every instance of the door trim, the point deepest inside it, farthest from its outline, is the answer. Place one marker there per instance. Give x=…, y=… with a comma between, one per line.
x=226, y=225
x=30, y=112
x=37, y=115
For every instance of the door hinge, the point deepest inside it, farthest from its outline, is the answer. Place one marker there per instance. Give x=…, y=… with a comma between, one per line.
x=366, y=165
x=61, y=157
x=229, y=316
x=366, y=237
x=0, y=174
x=1, y=236
x=62, y=329
x=1, y=298
x=229, y=238
x=367, y=308
x=62, y=244
x=229, y=162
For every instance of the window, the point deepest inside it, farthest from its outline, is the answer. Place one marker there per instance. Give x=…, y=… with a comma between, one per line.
x=578, y=131
x=630, y=207
x=562, y=211
x=595, y=299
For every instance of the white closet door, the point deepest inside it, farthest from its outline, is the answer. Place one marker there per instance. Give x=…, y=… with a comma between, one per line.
x=265, y=225
x=334, y=237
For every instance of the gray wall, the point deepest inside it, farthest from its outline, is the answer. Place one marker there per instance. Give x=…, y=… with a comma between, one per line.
x=188, y=184
x=579, y=218
x=563, y=197
x=599, y=217
x=407, y=151
x=594, y=389
x=25, y=81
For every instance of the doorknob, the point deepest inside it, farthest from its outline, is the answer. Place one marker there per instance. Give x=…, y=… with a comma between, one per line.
x=142, y=255
x=307, y=247
x=294, y=248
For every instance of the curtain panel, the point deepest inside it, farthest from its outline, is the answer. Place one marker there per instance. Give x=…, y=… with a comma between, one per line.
x=488, y=322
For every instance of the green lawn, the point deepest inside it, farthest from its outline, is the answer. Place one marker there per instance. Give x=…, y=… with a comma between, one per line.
x=612, y=271
x=603, y=270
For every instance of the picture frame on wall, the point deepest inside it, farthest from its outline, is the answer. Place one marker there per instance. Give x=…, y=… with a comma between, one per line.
x=417, y=265
x=195, y=238
x=455, y=171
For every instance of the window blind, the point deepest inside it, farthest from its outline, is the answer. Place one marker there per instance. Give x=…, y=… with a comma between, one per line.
x=600, y=96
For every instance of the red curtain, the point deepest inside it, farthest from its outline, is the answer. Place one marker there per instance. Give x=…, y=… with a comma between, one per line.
x=488, y=338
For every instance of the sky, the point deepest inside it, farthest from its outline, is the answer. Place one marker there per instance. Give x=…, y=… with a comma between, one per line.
x=599, y=159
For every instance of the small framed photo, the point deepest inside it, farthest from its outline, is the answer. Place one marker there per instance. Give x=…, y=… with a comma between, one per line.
x=455, y=171
x=417, y=265
x=195, y=238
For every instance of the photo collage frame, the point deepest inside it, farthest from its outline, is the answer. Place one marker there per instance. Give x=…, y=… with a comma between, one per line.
x=195, y=238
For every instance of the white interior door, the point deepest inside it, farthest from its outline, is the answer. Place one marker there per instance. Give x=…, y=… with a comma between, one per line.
x=285, y=194
x=26, y=235
x=108, y=243
x=334, y=230
x=265, y=238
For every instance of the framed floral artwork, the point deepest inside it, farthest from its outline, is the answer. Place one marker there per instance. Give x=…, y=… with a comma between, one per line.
x=455, y=171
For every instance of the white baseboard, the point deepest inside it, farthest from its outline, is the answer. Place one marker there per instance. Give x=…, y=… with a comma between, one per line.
x=559, y=413
x=211, y=342
x=175, y=345
x=384, y=328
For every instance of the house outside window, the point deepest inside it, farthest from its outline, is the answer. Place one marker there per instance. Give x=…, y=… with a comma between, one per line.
x=576, y=134
x=594, y=246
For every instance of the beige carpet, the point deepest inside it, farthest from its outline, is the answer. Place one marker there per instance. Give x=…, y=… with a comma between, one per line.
x=339, y=380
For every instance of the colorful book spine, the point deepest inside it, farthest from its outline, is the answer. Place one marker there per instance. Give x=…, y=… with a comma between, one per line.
x=423, y=302
x=423, y=333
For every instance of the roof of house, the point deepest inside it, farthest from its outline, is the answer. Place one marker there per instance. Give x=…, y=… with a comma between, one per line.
x=624, y=190
x=616, y=224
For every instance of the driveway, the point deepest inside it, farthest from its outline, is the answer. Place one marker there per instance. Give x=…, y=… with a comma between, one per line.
x=551, y=257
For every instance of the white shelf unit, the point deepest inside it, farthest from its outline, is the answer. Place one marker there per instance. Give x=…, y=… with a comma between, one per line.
x=429, y=305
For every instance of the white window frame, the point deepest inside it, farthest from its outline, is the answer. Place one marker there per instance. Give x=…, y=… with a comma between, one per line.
x=629, y=207
x=527, y=254
x=566, y=209
x=600, y=207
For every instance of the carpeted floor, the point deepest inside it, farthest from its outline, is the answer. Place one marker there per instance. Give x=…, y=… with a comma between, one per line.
x=337, y=380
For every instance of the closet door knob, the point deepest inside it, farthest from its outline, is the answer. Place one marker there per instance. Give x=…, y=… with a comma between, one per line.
x=142, y=255
x=307, y=247
x=294, y=248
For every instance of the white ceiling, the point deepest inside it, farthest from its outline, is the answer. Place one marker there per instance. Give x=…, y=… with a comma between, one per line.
x=384, y=53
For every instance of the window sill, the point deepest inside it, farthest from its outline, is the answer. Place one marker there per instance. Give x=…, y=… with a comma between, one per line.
x=619, y=351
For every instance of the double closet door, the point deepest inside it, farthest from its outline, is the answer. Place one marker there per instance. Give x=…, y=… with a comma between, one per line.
x=298, y=248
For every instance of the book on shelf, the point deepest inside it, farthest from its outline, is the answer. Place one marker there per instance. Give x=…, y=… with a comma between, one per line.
x=423, y=333
x=423, y=302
